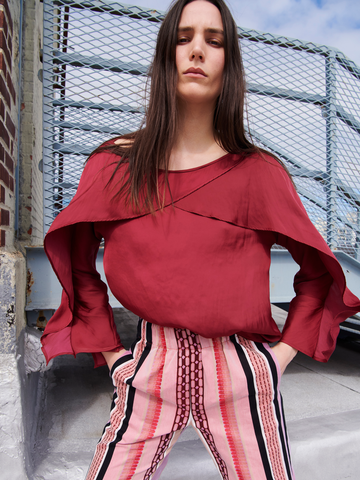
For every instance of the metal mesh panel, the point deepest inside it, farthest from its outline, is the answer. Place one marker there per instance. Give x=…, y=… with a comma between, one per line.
x=303, y=105
x=96, y=56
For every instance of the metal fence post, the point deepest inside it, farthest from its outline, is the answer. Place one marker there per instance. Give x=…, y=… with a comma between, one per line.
x=331, y=156
x=357, y=239
x=48, y=114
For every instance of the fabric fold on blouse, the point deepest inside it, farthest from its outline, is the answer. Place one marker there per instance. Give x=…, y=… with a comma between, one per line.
x=253, y=193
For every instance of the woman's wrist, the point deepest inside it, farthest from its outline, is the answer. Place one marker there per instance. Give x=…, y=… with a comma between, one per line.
x=289, y=351
x=111, y=357
x=284, y=354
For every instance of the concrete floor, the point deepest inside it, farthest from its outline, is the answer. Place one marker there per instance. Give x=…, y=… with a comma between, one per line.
x=322, y=403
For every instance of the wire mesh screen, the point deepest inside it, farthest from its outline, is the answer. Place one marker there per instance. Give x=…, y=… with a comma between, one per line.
x=96, y=58
x=303, y=105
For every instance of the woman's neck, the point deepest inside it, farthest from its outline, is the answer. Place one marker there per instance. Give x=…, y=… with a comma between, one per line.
x=195, y=144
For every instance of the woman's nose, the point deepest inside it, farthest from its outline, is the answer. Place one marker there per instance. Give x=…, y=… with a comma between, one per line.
x=197, y=52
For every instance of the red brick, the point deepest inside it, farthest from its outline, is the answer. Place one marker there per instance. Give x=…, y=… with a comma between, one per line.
x=3, y=22
x=9, y=163
x=2, y=238
x=4, y=134
x=4, y=175
x=7, y=10
x=11, y=183
x=10, y=125
x=11, y=86
x=2, y=194
x=3, y=66
x=2, y=108
x=4, y=217
x=3, y=45
x=4, y=91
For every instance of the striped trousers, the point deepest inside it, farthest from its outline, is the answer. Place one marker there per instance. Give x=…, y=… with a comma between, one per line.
x=227, y=388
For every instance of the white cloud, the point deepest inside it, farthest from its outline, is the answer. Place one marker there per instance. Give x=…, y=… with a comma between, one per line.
x=334, y=23
x=328, y=22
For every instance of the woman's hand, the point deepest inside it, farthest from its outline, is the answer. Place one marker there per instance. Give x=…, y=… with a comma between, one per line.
x=111, y=357
x=284, y=354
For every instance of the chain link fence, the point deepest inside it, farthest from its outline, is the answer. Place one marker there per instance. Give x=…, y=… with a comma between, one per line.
x=303, y=105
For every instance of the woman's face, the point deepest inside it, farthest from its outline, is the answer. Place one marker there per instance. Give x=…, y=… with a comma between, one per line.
x=200, y=56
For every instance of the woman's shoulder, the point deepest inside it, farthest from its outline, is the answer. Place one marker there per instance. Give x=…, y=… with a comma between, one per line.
x=262, y=168
x=103, y=160
x=263, y=159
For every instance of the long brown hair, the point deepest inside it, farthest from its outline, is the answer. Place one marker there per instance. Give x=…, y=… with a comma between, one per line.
x=148, y=149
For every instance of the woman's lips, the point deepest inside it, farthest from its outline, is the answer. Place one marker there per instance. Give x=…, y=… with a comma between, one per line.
x=195, y=72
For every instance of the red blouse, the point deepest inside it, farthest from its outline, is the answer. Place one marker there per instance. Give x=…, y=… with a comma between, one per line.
x=201, y=263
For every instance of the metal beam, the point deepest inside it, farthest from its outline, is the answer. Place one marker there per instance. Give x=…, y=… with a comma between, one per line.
x=350, y=120
x=281, y=41
x=281, y=93
x=298, y=169
x=351, y=269
x=115, y=131
x=99, y=63
x=109, y=107
x=348, y=64
x=44, y=289
x=275, y=92
x=114, y=8
x=77, y=149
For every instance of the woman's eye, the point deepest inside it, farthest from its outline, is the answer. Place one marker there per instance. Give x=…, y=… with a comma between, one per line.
x=215, y=43
x=182, y=40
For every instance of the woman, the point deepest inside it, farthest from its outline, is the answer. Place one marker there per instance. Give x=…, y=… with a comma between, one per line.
x=189, y=209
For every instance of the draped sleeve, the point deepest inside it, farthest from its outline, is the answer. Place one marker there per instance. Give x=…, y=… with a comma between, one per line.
x=84, y=320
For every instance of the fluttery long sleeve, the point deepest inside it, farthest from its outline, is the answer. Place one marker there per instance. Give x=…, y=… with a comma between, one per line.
x=311, y=285
x=91, y=312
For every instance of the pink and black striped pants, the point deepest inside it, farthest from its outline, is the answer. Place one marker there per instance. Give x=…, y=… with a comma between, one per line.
x=227, y=388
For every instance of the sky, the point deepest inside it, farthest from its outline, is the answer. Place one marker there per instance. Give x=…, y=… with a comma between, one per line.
x=335, y=23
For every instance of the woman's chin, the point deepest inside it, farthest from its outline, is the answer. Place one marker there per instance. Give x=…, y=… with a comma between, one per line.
x=197, y=97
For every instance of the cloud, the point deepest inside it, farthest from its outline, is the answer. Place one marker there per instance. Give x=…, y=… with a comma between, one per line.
x=334, y=23
x=328, y=22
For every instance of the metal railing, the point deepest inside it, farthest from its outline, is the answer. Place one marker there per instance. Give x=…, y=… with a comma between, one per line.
x=303, y=105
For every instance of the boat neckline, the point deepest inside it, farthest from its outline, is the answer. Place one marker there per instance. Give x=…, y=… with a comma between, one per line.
x=199, y=167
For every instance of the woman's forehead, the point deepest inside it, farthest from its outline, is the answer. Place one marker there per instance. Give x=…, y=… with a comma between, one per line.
x=199, y=13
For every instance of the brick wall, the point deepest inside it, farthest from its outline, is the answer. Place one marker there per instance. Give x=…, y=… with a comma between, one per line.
x=8, y=118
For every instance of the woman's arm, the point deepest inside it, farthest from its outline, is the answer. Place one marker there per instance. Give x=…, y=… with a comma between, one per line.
x=284, y=354
x=111, y=357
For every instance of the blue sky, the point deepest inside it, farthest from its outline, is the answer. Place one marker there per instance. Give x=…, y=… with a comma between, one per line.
x=327, y=22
